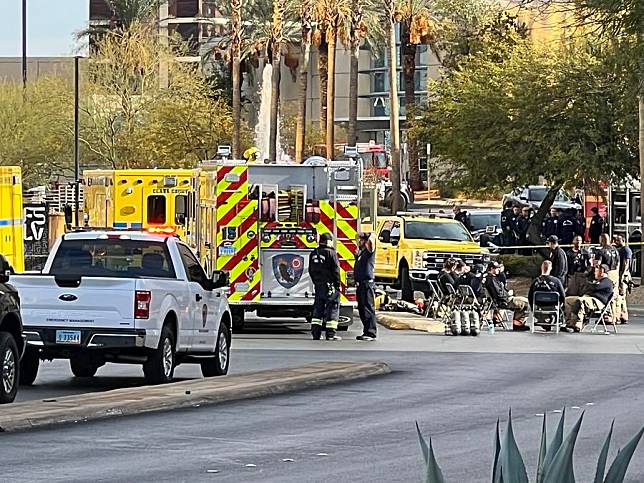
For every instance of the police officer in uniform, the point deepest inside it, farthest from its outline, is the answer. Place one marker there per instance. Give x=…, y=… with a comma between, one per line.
x=551, y=227
x=324, y=268
x=596, y=226
x=507, y=227
x=366, y=287
x=568, y=227
x=460, y=215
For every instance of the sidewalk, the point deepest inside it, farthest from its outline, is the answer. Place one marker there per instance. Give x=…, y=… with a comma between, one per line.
x=193, y=393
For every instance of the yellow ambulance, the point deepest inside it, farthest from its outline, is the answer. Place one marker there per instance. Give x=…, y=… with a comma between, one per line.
x=11, y=229
x=140, y=198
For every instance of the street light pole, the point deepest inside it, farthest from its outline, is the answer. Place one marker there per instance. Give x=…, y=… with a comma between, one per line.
x=24, y=44
x=76, y=150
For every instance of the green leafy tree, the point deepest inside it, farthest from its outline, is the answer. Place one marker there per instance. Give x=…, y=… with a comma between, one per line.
x=128, y=120
x=36, y=128
x=552, y=112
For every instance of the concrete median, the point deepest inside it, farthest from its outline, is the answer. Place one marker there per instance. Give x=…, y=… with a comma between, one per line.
x=185, y=394
x=409, y=321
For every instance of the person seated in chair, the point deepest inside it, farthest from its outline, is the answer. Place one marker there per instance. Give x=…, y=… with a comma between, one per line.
x=447, y=277
x=597, y=295
x=546, y=283
x=503, y=300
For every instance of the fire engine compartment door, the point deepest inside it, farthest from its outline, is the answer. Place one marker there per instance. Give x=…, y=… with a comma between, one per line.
x=285, y=273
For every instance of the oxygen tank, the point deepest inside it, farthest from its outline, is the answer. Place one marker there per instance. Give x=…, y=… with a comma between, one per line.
x=465, y=326
x=475, y=323
x=456, y=323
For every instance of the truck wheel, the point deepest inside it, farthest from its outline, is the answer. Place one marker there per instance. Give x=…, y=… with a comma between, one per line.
x=218, y=365
x=238, y=319
x=159, y=368
x=405, y=284
x=9, y=368
x=82, y=367
x=29, y=366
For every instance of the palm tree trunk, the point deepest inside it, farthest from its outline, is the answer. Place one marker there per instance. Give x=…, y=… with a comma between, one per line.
x=641, y=141
x=300, y=128
x=356, y=18
x=236, y=74
x=409, y=73
x=278, y=17
x=330, y=97
x=394, y=110
x=323, y=67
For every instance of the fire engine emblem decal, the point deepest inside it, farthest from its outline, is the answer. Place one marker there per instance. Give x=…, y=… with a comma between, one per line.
x=288, y=269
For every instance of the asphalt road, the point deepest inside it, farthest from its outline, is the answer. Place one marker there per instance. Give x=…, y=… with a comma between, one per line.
x=358, y=432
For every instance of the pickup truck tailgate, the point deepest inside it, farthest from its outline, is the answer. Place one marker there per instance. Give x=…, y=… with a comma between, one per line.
x=96, y=302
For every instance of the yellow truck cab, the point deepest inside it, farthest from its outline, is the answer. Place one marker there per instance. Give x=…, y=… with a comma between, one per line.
x=411, y=249
x=11, y=229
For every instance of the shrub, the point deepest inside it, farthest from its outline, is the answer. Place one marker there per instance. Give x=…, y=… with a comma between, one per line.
x=555, y=464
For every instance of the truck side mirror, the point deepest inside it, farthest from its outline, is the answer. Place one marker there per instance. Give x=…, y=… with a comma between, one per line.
x=220, y=279
x=385, y=236
x=5, y=269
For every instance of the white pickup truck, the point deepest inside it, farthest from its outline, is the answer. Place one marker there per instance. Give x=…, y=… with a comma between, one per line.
x=130, y=297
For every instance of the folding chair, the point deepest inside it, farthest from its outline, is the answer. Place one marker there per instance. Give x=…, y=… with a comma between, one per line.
x=491, y=308
x=434, y=300
x=445, y=306
x=546, y=304
x=597, y=317
x=468, y=298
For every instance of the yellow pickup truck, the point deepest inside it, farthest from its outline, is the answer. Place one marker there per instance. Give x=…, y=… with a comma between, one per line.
x=411, y=249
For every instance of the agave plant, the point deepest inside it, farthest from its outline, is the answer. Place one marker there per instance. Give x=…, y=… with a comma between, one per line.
x=555, y=464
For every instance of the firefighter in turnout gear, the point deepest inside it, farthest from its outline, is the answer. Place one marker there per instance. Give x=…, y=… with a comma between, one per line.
x=324, y=269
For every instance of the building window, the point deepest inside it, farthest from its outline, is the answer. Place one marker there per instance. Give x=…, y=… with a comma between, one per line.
x=379, y=82
x=180, y=209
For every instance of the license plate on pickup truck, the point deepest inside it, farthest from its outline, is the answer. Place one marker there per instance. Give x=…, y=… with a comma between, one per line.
x=68, y=337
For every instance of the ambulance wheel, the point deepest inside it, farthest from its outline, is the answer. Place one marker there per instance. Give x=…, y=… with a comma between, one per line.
x=238, y=319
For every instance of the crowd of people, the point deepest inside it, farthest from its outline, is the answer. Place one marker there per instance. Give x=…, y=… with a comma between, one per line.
x=564, y=224
x=585, y=280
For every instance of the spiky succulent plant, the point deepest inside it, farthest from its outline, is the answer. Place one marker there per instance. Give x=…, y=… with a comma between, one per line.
x=555, y=464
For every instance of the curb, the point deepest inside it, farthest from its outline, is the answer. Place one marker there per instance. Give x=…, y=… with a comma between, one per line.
x=198, y=392
x=410, y=322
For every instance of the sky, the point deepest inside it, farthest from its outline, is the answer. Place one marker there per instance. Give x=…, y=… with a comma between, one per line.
x=50, y=27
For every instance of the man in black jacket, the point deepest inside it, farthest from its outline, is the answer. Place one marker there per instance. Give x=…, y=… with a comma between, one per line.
x=558, y=258
x=579, y=259
x=596, y=297
x=596, y=226
x=324, y=268
x=503, y=300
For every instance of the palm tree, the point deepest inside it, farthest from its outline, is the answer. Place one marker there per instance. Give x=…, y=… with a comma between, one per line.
x=366, y=22
x=255, y=38
x=416, y=27
x=332, y=15
x=279, y=7
x=355, y=35
x=235, y=28
x=306, y=18
x=394, y=108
